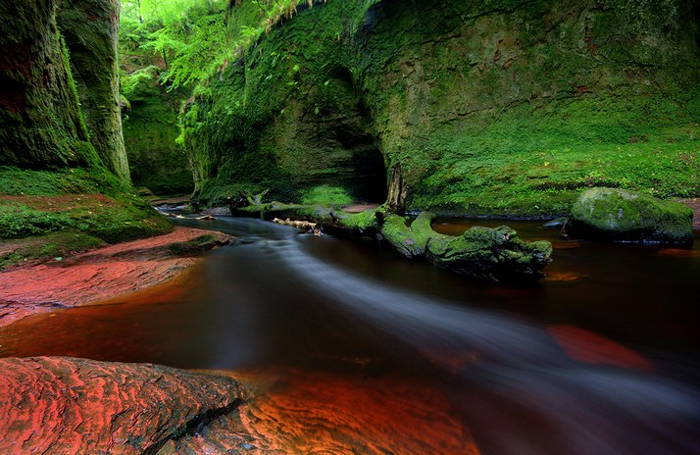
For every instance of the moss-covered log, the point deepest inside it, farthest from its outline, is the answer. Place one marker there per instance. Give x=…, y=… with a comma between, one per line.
x=90, y=28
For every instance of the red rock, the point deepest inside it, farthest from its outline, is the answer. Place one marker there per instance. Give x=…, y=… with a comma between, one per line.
x=589, y=347
x=324, y=413
x=95, y=276
x=61, y=405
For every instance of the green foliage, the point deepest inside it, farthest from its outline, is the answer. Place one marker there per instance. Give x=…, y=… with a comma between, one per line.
x=326, y=195
x=17, y=220
x=49, y=246
x=27, y=207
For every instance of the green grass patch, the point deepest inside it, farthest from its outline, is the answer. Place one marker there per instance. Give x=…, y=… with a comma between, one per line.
x=529, y=162
x=326, y=195
x=52, y=246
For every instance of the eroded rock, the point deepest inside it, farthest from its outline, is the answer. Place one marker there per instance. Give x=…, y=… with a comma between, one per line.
x=63, y=405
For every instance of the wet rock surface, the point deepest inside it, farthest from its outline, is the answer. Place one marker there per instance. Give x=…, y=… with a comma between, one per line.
x=103, y=273
x=62, y=405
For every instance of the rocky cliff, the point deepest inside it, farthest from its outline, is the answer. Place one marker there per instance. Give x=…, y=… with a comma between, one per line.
x=63, y=173
x=91, y=28
x=39, y=112
x=506, y=106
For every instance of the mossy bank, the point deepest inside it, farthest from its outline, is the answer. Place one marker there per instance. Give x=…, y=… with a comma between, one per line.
x=503, y=107
x=64, y=184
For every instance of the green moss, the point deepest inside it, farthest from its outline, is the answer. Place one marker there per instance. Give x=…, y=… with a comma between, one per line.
x=624, y=215
x=52, y=246
x=194, y=246
x=150, y=132
x=363, y=221
x=121, y=216
x=397, y=231
x=17, y=220
x=490, y=107
x=326, y=195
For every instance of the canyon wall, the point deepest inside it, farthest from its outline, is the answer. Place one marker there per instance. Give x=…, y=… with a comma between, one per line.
x=59, y=85
x=506, y=106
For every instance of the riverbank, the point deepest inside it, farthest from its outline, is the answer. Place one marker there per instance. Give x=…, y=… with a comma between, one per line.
x=102, y=274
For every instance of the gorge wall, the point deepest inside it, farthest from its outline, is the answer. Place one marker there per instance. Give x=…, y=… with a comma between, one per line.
x=506, y=107
x=91, y=28
x=64, y=179
x=59, y=85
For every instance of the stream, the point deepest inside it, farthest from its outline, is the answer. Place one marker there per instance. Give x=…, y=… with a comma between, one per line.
x=371, y=353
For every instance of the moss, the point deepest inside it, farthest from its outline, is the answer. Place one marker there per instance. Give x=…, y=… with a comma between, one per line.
x=194, y=246
x=326, y=195
x=41, y=118
x=560, y=96
x=90, y=30
x=150, y=132
x=363, y=221
x=623, y=215
x=41, y=202
x=399, y=234
x=481, y=252
x=52, y=246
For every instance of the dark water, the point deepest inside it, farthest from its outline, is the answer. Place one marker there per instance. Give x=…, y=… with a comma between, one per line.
x=600, y=358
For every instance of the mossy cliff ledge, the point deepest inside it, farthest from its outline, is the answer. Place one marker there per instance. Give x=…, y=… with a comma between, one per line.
x=621, y=215
x=503, y=107
x=90, y=29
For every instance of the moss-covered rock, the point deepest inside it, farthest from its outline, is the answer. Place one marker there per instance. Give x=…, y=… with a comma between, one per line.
x=41, y=122
x=506, y=107
x=624, y=215
x=156, y=161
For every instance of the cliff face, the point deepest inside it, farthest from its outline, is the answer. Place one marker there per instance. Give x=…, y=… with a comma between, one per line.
x=57, y=71
x=63, y=172
x=91, y=29
x=39, y=112
x=157, y=162
x=501, y=106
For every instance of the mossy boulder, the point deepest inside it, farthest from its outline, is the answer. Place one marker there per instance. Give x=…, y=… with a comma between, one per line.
x=484, y=253
x=621, y=215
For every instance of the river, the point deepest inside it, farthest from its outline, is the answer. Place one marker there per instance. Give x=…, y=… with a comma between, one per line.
x=375, y=354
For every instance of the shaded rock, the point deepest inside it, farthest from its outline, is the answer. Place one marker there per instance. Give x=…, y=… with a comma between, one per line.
x=75, y=406
x=103, y=273
x=480, y=252
x=623, y=215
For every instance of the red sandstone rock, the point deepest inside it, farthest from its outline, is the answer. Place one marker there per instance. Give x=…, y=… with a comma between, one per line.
x=95, y=276
x=64, y=406
x=324, y=413
x=589, y=347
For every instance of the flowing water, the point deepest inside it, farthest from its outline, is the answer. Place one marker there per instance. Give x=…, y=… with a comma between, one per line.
x=375, y=354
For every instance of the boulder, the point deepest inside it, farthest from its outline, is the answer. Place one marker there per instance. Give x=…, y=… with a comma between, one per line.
x=622, y=215
x=484, y=253
x=62, y=405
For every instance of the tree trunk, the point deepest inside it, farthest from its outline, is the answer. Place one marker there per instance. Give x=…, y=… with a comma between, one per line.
x=396, y=200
